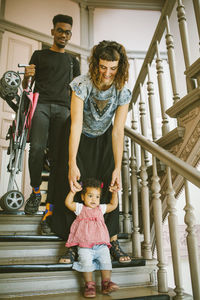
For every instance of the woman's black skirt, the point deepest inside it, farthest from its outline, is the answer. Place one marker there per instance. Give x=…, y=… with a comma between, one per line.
x=95, y=160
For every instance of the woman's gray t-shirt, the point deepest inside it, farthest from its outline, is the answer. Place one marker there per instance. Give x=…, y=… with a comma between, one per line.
x=99, y=106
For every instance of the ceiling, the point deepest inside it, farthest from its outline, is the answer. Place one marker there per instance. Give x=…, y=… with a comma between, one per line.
x=124, y=4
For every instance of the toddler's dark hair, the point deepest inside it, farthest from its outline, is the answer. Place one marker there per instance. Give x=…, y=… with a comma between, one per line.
x=62, y=19
x=90, y=182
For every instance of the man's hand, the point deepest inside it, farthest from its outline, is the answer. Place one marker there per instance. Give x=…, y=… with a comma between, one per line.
x=29, y=71
x=28, y=76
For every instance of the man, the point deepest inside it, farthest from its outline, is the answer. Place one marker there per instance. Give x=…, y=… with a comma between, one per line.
x=52, y=70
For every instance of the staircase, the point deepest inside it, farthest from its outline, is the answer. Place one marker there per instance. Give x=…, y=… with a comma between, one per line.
x=153, y=174
x=28, y=264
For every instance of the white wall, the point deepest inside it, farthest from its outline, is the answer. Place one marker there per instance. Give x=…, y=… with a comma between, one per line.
x=38, y=14
x=132, y=28
x=125, y=26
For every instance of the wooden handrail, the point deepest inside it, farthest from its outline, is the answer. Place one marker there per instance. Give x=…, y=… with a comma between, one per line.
x=178, y=165
x=166, y=11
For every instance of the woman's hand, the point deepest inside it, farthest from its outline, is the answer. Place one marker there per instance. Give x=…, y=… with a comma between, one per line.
x=74, y=175
x=113, y=189
x=115, y=184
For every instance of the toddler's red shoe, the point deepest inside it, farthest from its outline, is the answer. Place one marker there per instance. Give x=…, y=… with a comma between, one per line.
x=108, y=287
x=90, y=289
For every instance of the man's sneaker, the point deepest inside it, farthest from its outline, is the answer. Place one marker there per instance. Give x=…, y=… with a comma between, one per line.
x=90, y=289
x=32, y=204
x=108, y=287
x=45, y=228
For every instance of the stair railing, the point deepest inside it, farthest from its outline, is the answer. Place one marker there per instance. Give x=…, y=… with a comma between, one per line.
x=158, y=196
x=156, y=175
x=167, y=89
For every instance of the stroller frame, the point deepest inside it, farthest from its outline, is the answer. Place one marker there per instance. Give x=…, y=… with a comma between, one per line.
x=17, y=135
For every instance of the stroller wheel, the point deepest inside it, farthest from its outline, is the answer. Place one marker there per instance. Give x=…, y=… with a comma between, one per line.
x=12, y=201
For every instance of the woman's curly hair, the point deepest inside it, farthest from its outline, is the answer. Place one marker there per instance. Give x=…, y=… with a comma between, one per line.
x=110, y=51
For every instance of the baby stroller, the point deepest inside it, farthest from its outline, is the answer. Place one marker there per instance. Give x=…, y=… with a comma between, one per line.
x=18, y=133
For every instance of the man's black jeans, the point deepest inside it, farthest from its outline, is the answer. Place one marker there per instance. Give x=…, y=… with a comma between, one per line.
x=48, y=126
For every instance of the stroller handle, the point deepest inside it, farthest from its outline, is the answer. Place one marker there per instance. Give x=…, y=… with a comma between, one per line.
x=30, y=78
x=22, y=65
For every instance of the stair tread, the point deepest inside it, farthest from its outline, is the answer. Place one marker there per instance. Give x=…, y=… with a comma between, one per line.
x=35, y=267
x=20, y=213
x=125, y=293
x=25, y=237
x=11, y=238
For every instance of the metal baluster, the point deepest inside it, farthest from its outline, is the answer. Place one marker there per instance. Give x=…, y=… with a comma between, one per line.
x=136, y=146
x=125, y=184
x=143, y=120
x=157, y=211
x=162, y=92
x=172, y=61
x=185, y=41
x=146, y=245
x=174, y=239
x=192, y=244
x=136, y=244
x=196, y=5
x=152, y=108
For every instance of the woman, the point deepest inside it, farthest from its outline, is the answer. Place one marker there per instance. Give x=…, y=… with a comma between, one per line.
x=95, y=146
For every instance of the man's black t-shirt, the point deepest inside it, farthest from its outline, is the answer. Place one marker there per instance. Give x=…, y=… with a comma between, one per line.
x=53, y=74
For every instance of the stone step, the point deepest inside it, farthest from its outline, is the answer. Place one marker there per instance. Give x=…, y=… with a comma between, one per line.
x=133, y=293
x=172, y=138
x=19, y=224
x=193, y=71
x=38, y=249
x=28, y=261
x=38, y=279
x=185, y=105
x=21, y=240
x=126, y=293
x=12, y=252
x=43, y=267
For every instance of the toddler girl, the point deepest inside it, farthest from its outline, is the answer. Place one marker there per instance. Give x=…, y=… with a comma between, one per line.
x=90, y=234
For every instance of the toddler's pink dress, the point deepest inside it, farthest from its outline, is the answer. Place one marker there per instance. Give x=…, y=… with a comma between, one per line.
x=88, y=229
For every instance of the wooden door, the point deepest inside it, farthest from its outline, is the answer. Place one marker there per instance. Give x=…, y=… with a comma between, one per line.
x=15, y=49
